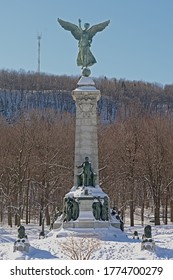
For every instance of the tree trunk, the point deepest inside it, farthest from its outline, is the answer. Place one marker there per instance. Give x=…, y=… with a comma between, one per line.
x=16, y=220
x=157, y=208
x=29, y=215
x=47, y=216
x=2, y=213
x=166, y=210
x=40, y=218
x=42, y=225
x=171, y=209
x=9, y=217
x=142, y=214
x=131, y=214
x=157, y=214
x=131, y=209
x=27, y=204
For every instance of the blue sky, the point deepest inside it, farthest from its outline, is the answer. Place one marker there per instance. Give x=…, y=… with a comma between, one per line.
x=137, y=45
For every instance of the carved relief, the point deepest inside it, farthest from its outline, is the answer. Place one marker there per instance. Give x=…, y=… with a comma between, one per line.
x=86, y=107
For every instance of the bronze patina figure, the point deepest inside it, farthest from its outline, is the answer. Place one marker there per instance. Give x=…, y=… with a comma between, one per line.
x=85, y=57
x=21, y=232
x=87, y=176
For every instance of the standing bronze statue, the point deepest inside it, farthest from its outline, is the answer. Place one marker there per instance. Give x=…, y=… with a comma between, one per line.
x=87, y=176
x=85, y=57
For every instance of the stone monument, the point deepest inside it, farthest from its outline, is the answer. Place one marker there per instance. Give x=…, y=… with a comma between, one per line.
x=22, y=242
x=86, y=205
x=147, y=240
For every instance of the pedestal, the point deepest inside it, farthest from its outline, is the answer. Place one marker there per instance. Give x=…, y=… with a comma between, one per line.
x=86, y=143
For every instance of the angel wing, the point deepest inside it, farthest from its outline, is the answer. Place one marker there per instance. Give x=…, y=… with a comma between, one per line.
x=73, y=28
x=97, y=28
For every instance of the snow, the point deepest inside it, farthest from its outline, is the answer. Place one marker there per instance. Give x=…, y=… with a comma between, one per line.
x=92, y=192
x=114, y=244
x=86, y=84
x=85, y=81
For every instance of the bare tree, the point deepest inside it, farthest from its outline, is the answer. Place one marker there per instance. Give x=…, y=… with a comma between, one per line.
x=157, y=163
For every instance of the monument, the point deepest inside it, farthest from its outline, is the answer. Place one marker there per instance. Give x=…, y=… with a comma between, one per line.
x=21, y=243
x=86, y=206
x=147, y=240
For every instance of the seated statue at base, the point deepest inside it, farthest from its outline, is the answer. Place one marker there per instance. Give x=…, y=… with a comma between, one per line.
x=71, y=209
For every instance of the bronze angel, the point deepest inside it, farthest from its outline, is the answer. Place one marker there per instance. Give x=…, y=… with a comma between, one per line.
x=85, y=57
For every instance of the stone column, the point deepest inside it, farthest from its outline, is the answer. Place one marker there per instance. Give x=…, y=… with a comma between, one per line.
x=86, y=143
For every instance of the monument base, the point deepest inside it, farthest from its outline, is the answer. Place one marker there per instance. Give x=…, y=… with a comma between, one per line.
x=86, y=196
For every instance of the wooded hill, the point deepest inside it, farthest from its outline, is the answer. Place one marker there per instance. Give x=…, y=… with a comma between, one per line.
x=22, y=91
x=37, y=128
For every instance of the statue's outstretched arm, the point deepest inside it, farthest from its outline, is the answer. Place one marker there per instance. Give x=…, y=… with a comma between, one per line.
x=80, y=24
x=79, y=166
x=73, y=28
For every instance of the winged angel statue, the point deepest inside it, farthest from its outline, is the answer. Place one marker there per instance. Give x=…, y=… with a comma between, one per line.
x=85, y=57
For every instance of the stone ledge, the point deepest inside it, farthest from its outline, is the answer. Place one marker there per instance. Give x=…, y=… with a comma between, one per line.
x=86, y=224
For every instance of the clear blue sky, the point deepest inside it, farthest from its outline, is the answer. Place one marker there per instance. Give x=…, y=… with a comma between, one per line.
x=137, y=45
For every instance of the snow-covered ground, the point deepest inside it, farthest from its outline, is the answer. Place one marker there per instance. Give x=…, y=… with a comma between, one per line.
x=112, y=245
